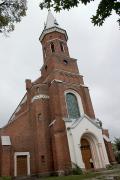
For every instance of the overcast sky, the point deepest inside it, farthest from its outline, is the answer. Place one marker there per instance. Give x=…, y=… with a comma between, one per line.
x=96, y=48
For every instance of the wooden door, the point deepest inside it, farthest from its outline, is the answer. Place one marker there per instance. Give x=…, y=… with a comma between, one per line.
x=86, y=153
x=22, y=165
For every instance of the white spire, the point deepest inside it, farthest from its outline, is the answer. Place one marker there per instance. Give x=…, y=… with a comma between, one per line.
x=50, y=26
x=51, y=21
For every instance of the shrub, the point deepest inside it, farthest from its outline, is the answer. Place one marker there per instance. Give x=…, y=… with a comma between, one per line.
x=117, y=149
x=5, y=178
x=77, y=170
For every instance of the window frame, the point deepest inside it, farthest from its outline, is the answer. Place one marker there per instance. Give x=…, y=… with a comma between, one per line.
x=79, y=101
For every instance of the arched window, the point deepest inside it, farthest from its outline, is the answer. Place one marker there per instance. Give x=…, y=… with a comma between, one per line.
x=52, y=47
x=37, y=90
x=46, y=67
x=72, y=106
x=62, y=46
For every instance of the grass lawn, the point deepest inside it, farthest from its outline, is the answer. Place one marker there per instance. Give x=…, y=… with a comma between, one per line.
x=73, y=177
x=113, y=171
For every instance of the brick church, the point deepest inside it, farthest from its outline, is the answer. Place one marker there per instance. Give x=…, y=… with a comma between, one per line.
x=54, y=128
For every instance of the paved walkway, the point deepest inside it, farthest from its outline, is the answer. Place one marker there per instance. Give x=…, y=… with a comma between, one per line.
x=113, y=174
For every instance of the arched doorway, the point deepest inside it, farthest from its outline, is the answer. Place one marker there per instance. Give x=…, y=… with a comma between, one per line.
x=92, y=154
x=86, y=154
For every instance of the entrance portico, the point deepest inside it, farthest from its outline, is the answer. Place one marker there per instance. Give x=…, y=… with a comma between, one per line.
x=86, y=144
x=91, y=151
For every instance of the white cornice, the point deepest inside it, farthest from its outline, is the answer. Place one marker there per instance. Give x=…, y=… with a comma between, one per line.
x=40, y=96
x=77, y=121
x=53, y=29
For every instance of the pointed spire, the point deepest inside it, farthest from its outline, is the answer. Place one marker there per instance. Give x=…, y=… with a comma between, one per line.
x=51, y=21
x=50, y=26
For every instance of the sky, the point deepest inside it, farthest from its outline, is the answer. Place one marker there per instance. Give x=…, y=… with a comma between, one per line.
x=97, y=50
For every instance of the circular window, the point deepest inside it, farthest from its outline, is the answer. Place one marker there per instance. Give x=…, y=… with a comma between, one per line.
x=65, y=61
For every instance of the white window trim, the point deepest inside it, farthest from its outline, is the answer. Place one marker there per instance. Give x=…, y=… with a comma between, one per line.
x=15, y=161
x=80, y=105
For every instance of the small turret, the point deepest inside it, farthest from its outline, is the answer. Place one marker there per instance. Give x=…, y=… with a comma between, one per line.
x=52, y=25
x=53, y=38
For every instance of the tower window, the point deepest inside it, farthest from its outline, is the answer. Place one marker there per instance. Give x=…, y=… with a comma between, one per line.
x=65, y=61
x=62, y=46
x=52, y=47
x=46, y=67
x=72, y=106
x=38, y=90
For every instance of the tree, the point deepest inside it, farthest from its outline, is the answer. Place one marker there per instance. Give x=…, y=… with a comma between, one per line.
x=105, y=8
x=11, y=12
x=117, y=149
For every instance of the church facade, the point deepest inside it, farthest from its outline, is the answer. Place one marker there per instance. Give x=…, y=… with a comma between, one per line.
x=54, y=128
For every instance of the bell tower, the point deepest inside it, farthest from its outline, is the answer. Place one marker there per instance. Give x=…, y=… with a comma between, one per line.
x=53, y=39
x=55, y=51
x=60, y=72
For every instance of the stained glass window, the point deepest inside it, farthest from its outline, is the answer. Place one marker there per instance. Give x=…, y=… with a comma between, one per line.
x=72, y=106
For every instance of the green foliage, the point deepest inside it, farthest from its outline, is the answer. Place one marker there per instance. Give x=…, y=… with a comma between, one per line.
x=109, y=167
x=11, y=12
x=105, y=8
x=5, y=178
x=117, y=143
x=117, y=149
x=117, y=156
x=73, y=177
x=77, y=171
